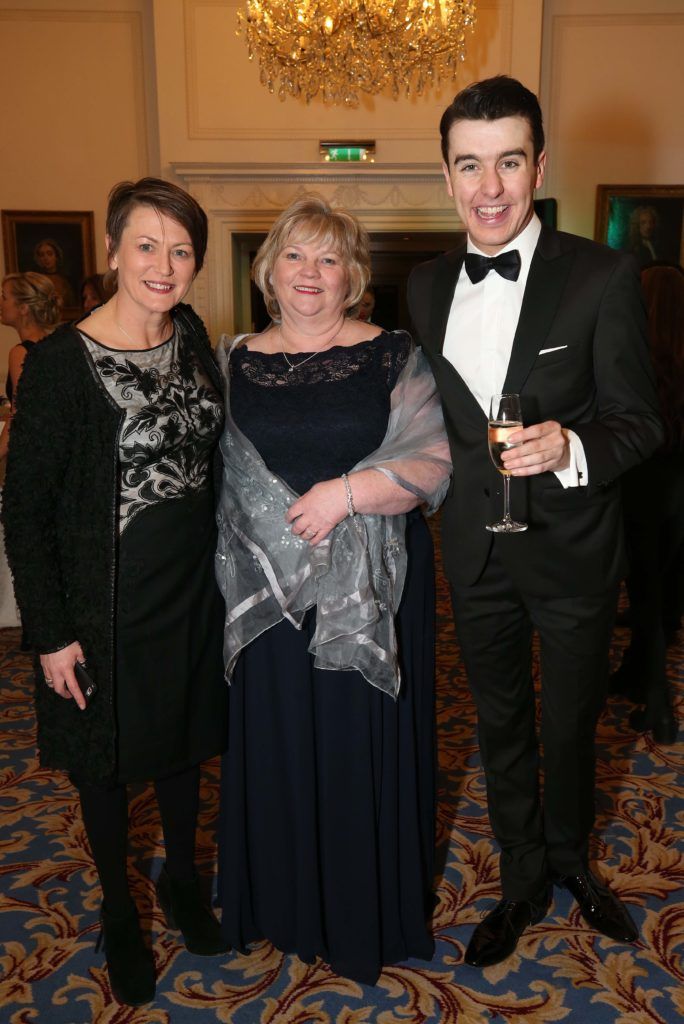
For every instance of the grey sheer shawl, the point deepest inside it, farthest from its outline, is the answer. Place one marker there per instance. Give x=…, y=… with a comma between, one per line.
x=356, y=576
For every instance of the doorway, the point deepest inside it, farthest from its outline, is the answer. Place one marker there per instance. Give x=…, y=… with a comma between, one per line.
x=393, y=256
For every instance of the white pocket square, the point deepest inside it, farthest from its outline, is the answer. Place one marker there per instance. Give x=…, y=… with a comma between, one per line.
x=543, y=351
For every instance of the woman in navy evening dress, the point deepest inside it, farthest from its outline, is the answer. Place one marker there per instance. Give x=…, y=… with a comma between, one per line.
x=328, y=791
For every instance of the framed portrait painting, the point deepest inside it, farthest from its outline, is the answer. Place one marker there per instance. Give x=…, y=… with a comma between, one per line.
x=647, y=220
x=55, y=243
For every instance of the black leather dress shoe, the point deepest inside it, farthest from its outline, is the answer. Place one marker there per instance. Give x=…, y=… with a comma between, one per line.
x=600, y=907
x=496, y=937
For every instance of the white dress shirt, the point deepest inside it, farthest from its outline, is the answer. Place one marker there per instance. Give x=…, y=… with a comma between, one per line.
x=480, y=331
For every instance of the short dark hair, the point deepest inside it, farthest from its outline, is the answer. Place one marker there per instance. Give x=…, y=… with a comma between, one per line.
x=489, y=100
x=166, y=198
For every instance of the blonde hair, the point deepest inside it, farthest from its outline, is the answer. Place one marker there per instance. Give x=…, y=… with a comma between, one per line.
x=39, y=295
x=311, y=219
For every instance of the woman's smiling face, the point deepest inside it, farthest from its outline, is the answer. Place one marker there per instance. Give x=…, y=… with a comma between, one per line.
x=310, y=278
x=155, y=260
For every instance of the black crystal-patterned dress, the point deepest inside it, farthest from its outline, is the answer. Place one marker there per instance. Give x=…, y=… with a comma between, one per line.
x=327, y=812
x=170, y=695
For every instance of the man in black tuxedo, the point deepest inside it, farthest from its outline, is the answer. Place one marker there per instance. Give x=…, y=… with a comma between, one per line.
x=559, y=321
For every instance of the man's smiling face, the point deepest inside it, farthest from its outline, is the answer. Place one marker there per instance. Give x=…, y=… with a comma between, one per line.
x=491, y=176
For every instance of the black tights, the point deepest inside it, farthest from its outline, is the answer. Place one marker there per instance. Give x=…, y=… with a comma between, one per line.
x=105, y=816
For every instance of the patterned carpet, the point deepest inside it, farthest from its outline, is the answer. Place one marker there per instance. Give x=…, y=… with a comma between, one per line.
x=50, y=974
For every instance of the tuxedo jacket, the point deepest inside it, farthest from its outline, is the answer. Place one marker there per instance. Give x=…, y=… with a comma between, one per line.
x=580, y=356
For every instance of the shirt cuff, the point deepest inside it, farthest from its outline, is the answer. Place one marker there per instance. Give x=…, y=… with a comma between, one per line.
x=577, y=473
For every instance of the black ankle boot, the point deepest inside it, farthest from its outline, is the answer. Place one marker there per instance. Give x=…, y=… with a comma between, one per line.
x=130, y=963
x=186, y=911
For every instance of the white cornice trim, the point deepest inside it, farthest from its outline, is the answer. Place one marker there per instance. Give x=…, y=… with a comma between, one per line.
x=300, y=173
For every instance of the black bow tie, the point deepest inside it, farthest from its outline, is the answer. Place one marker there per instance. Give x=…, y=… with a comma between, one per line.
x=507, y=264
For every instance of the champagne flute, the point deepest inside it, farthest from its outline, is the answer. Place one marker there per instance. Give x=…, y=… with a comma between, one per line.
x=505, y=418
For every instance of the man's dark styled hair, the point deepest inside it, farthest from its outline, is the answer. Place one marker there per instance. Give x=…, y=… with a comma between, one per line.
x=489, y=100
x=164, y=197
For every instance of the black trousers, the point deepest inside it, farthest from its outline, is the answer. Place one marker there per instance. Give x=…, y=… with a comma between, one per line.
x=494, y=622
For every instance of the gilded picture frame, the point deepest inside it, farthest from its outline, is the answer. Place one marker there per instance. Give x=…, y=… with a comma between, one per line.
x=647, y=220
x=57, y=243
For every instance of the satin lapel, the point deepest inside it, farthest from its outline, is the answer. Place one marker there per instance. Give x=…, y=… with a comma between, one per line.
x=545, y=283
x=443, y=293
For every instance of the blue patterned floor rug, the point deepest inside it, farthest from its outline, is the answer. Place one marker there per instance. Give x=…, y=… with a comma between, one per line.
x=561, y=970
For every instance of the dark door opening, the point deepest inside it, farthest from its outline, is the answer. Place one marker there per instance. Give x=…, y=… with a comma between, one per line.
x=393, y=256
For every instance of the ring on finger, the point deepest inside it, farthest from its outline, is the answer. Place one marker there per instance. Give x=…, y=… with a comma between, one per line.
x=49, y=682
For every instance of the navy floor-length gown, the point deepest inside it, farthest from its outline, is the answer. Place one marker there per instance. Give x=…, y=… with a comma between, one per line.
x=327, y=819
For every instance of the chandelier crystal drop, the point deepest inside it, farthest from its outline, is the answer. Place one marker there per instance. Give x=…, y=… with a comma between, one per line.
x=340, y=48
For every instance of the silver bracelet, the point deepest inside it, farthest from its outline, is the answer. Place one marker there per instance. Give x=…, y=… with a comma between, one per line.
x=351, y=511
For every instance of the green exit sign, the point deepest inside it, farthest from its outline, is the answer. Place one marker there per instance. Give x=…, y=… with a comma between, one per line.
x=348, y=152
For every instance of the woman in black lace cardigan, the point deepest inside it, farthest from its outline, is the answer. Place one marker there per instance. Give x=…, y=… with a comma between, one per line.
x=110, y=533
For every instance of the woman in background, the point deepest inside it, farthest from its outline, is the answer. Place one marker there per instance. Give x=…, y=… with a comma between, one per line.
x=111, y=535
x=334, y=437
x=95, y=291
x=31, y=305
x=367, y=305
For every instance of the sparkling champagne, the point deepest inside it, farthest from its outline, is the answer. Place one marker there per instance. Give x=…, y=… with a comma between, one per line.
x=497, y=436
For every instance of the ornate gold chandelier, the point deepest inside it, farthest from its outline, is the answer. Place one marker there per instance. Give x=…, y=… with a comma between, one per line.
x=343, y=47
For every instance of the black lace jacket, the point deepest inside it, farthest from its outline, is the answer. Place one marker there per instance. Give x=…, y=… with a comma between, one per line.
x=60, y=513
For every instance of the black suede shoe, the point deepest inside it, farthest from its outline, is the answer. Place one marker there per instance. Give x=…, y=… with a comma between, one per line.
x=130, y=963
x=496, y=937
x=185, y=910
x=599, y=907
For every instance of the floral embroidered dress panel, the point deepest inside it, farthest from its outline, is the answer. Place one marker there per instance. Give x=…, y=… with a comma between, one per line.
x=173, y=416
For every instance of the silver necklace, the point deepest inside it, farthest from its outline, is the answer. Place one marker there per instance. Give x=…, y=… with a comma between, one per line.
x=134, y=340
x=295, y=366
